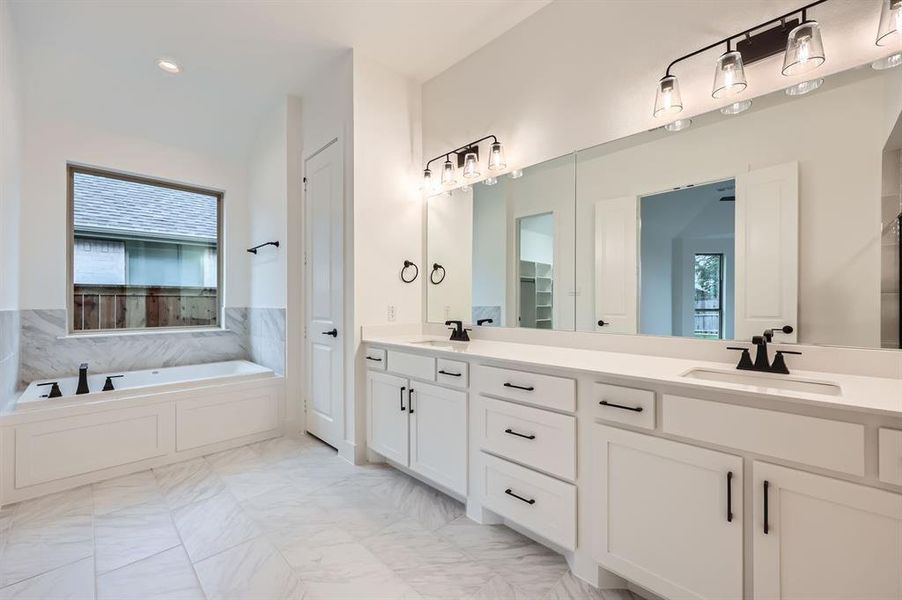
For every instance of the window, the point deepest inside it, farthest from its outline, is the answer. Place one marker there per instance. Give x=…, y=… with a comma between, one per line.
x=144, y=254
x=709, y=296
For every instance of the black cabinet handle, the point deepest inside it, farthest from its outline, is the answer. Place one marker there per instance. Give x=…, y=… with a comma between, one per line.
x=520, y=387
x=410, y=401
x=612, y=405
x=374, y=359
x=333, y=333
x=403, y=408
x=729, y=496
x=443, y=372
x=766, y=526
x=521, y=498
x=531, y=436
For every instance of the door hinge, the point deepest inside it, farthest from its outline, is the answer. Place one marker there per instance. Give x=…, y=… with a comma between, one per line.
x=305, y=184
x=305, y=333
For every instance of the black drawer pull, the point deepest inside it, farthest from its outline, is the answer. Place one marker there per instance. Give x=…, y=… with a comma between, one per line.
x=374, y=359
x=520, y=387
x=521, y=498
x=729, y=496
x=766, y=526
x=403, y=408
x=443, y=372
x=410, y=401
x=531, y=436
x=612, y=405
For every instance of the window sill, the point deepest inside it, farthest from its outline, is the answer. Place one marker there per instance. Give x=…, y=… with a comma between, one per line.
x=143, y=332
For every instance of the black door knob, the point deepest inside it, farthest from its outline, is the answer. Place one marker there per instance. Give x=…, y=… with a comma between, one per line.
x=602, y=323
x=333, y=333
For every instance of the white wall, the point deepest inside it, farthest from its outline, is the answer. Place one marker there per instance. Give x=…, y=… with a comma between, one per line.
x=840, y=177
x=10, y=159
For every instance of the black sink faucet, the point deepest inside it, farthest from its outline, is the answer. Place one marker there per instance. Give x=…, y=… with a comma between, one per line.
x=762, y=360
x=458, y=333
x=83, y=380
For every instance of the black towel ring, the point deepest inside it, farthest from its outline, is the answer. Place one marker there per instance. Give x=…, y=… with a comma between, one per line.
x=437, y=267
x=416, y=273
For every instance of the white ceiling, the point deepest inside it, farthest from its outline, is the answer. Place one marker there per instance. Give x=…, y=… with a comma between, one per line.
x=94, y=59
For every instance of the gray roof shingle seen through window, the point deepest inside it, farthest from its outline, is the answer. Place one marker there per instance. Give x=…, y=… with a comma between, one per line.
x=105, y=203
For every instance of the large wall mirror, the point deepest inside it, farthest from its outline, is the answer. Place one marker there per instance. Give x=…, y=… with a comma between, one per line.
x=786, y=214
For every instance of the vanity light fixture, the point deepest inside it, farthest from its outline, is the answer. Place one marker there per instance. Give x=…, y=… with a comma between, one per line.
x=800, y=89
x=678, y=125
x=890, y=29
x=449, y=172
x=804, y=48
x=471, y=165
x=169, y=66
x=793, y=34
x=736, y=107
x=516, y=173
x=496, y=157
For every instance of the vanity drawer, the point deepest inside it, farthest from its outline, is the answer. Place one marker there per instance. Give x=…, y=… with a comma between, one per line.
x=890, y=468
x=452, y=372
x=412, y=365
x=375, y=358
x=542, y=390
x=834, y=445
x=530, y=436
x=630, y=406
x=537, y=502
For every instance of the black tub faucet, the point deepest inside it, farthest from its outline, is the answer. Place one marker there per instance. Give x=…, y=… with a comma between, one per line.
x=83, y=380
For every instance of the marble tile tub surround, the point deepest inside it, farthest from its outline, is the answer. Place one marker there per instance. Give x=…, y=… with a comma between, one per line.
x=312, y=526
x=256, y=334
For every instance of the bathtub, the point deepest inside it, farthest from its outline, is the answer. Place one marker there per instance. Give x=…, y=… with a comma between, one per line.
x=154, y=417
x=130, y=382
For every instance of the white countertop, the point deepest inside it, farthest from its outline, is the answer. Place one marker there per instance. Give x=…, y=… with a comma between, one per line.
x=859, y=393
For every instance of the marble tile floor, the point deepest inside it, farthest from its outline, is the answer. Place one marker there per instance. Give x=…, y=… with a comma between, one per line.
x=281, y=519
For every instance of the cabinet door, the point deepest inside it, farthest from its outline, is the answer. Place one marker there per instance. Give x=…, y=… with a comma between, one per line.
x=825, y=538
x=669, y=515
x=438, y=435
x=387, y=416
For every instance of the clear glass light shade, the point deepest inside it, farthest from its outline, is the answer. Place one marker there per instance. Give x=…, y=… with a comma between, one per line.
x=800, y=89
x=449, y=173
x=516, y=173
x=490, y=180
x=729, y=75
x=427, y=180
x=736, y=107
x=496, y=157
x=668, y=100
x=804, y=49
x=893, y=60
x=889, y=31
x=471, y=165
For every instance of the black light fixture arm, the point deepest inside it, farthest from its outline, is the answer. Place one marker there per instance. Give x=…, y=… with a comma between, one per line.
x=466, y=147
x=727, y=40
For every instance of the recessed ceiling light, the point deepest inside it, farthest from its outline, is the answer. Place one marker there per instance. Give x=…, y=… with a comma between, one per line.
x=169, y=65
x=678, y=125
x=893, y=60
x=736, y=107
x=800, y=89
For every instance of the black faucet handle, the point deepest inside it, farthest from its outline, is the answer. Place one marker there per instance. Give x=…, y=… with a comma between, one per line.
x=108, y=385
x=54, y=389
x=484, y=321
x=83, y=367
x=779, y=365
x=745, y=361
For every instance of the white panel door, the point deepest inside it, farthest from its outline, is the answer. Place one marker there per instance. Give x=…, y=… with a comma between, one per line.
x=825, y=538
x=387, y=420
x=767, y=250
x=438, y=435
x=616, y=265
x=325, y=295
x=669, y=515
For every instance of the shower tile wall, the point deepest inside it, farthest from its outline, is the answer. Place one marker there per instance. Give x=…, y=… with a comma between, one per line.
x=44, y=351
x=9, y=355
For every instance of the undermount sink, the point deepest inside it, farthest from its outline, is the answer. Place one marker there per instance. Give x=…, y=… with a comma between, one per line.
x=444, y=344
x=766, y=380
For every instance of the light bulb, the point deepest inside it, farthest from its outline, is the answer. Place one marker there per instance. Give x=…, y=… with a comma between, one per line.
x=496, y=157
x=804, y=49
x=889, y=31
x=449, y=176
x=667, y=98
x=736, y=107
x=471, y=165
x=729, y=75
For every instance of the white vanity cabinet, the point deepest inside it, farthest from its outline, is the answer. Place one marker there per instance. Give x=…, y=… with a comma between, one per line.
x=420, y=426
x=669, y=515
x=818, y=537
